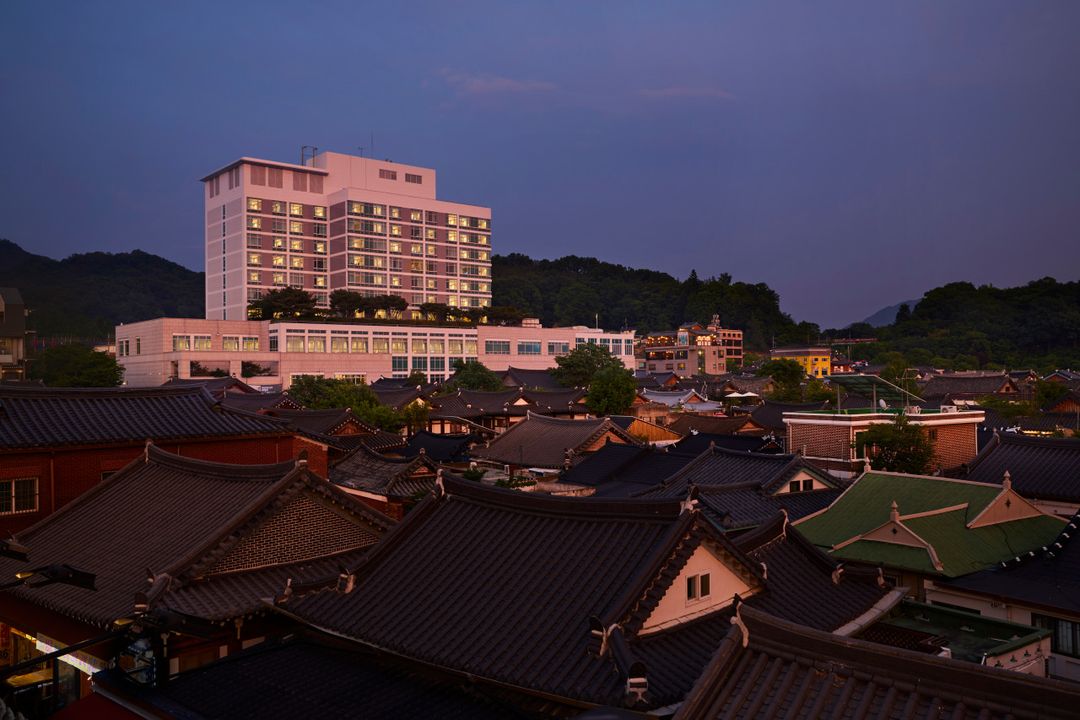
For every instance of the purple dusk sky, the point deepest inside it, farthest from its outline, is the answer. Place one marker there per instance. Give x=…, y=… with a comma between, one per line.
x=851, y=155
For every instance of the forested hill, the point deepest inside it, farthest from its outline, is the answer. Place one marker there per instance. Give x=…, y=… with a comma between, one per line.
x=963, y=326
x=574, y=290
x=86, y=295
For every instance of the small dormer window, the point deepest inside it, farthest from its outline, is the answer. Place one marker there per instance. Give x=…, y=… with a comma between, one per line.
x=698, y=587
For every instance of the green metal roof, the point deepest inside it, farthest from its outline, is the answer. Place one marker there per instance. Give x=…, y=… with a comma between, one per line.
x=961, y=550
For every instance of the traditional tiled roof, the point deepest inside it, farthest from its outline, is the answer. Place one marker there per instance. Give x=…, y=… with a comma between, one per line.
x=539, y=441
x=521, y=378
x=256, y=402
x=771, y=414
x=306, y=677
x=397, y=478
x=440, y=447
x=618, y=470
x=217, y=387
x=46, y=417
x=687, y=423
x=514, y=556
x=767, y=667
x=531, y=591
x=514, y=402
x=340, y=428
x=1040, y=468
x=11, y=296
x=1047, y=577
x=397, y=398
x=740, y=489
x=757, y=385
x=179, y=519
x=944, y=386
x=674, y=398
x=803, y=583
x=699, y=442
x=937, y=516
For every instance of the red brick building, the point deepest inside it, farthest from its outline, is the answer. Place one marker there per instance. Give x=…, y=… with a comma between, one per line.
x=57, y=443
x=827, y=438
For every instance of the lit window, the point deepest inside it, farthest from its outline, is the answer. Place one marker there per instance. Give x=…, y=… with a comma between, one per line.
x=395, y=247
x=278, y=261
x=297, y=263
x=320, y=212
x=316, y=344
x=253, y=276
x=395, y=230
x=431, y=250
x=319, y=247
x=296, y=245
x=279, y=278
x=358, y=345
x=416, y=215
x=18, y=495
x=395, y=281
x=416, y=249
x=451, y=236
x=451, y=219
x=255, y=223
x=251, y=343
x=230, y=344
x=296, y=228
x=279, y=243
x=296, y=209
x=429, y=233
x=254, y=259
x=181, y=342
x=294, y=344
x=397, y=345
x=255, y=204
x=419, y=345
x=320, y=282
x=201, y=342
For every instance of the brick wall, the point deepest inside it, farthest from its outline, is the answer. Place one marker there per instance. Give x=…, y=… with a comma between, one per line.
x=831, y=441
x=305, y=528
x=954, y=445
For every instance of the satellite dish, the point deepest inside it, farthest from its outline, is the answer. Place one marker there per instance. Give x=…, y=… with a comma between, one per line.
x=882, y=404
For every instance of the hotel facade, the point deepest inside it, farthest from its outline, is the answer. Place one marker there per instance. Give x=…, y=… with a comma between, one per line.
x=340, y=222
x=270, y=354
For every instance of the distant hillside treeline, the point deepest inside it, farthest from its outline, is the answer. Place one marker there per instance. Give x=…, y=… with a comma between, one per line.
x=87, y=295
x=968, y=327
x=574, y=290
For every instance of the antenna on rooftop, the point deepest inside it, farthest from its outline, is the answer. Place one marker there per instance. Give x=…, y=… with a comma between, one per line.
x=305, y=155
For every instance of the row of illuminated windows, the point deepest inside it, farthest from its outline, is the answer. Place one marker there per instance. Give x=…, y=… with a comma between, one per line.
x=616, y=346
x=396, y=213
x=374, y=346
x=396, y=281
x=280, y=261
x=370, y=227
x=255, y=242
x=123, y=347
x=376, y=245
x=278, y=207
x=528, y=347
x=295, y=227
x=281, y=279
x=296, y=280
x=229, y=343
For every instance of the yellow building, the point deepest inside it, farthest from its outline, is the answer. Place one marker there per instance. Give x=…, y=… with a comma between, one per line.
x=816, y=360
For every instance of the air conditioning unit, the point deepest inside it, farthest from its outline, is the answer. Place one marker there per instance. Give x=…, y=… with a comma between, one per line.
x=949, y=409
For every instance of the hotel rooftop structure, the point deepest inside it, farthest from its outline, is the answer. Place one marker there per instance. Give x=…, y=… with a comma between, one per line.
x=340, y=221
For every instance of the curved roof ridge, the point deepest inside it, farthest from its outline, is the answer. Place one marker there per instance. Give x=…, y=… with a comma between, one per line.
x=600, y=509
x=94, y=392
x=231, y=471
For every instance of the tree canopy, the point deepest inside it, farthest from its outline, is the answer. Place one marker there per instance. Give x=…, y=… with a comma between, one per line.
x=472, y=375
x=75, y=366
x=898, y=446
x=611, y=391
x=319, y=393
x=578, y=367
x=287, y=302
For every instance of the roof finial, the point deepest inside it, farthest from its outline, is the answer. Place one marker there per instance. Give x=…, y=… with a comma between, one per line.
x=146, y=450
x=894, y=512
x=1006, y=481
x=440, y=488
x=866, y=465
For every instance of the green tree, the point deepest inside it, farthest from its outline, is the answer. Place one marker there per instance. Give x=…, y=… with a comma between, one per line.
x=319, y=393
x=898, y=446
x=787, y=375
x=611, y=391
x=472, y=375
x=578, y=367
x=346, y=303
x=439, y=312
x=816, y=391
x=75, y=366
x=253, y=369
x=416, y=377
x=287, y=302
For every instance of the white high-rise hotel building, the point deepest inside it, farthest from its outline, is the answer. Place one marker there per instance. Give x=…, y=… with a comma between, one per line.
x=340, y=221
